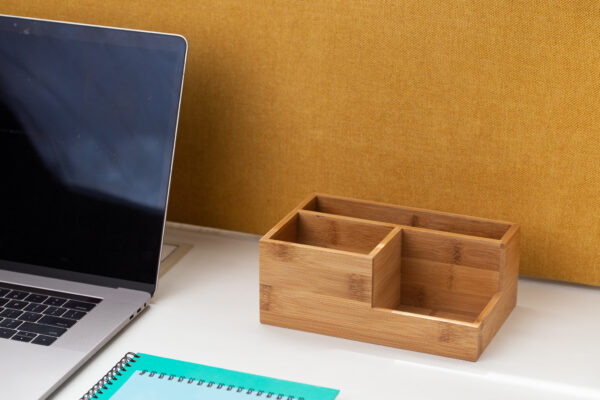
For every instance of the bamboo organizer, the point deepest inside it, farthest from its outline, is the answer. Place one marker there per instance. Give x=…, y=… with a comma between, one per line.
x=416, y=279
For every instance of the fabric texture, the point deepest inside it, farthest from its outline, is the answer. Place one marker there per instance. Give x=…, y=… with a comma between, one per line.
x=482, y=108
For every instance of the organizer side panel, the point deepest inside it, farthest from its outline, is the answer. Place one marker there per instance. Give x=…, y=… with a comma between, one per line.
x=315, y=270
x=356, y=320
x=509, y=274
x=492, y=322
x=292, y=217
x=286, y=230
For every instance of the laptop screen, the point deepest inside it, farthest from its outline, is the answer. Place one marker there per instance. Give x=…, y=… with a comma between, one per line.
x=87, y=126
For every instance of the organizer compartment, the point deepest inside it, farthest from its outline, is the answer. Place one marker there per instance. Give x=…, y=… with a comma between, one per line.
x=408, y=216
x=321, y=230
x=442, y=275
x=448, y=276
x=331, y=255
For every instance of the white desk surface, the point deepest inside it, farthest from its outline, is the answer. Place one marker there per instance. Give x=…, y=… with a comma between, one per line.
x=206, y=311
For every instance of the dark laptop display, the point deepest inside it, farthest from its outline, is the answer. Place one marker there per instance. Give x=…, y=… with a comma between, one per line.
x=83, y=165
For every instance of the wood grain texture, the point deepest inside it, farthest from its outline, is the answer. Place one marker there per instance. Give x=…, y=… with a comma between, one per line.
x=450, y=277
x=288, y=230
x=410, y=216
x=278, y=228
x=387, y=272
x=426, y=296
x=444, y=247
x=492, y=318
x=323, y=314
x=344, y=275
x=333, y=232
x=316, y=270
x=510, y=256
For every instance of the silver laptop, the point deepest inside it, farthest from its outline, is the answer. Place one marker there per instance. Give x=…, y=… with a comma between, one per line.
x=88, y=117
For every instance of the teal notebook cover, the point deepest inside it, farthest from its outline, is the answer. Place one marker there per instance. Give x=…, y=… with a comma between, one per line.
x=146, y=377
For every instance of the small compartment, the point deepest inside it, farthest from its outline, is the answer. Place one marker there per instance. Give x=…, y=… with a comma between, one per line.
x=407, y=216
x=332, y=232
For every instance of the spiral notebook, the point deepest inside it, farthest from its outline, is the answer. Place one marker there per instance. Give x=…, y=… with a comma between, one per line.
x=141, y=376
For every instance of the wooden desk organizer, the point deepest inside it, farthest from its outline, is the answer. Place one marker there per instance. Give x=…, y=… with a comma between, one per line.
x=416, y=279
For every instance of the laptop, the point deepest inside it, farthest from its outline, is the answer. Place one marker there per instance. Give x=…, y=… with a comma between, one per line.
x=88, y=117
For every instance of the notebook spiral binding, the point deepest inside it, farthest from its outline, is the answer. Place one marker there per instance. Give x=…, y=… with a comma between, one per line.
x=221, y=386
x=110, y=376
x=129, y=358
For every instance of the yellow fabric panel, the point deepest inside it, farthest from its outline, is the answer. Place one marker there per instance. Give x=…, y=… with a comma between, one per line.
x=485, y=108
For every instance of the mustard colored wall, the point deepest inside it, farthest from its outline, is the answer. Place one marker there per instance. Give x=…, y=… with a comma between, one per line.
x=486, y=108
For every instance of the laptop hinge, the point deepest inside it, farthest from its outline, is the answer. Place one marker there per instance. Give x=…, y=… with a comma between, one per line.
x=77, y=276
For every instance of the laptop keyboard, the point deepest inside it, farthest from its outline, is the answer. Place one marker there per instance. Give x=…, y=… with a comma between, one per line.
x=39, y=316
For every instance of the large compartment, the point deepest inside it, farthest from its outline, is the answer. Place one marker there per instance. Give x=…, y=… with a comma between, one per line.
x=445, y=276
x=408, y=216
